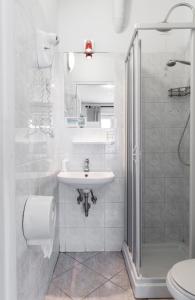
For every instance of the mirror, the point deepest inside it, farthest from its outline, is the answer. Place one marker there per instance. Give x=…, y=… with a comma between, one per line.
x=89, y=103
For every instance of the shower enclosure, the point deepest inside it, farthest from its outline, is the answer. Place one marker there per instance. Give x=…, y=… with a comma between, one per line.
x=160, y=154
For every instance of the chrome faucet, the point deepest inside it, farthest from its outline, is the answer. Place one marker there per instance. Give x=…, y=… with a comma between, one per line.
x=86, y=165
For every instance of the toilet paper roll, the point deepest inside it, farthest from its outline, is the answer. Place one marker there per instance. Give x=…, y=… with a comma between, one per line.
x=39, y=220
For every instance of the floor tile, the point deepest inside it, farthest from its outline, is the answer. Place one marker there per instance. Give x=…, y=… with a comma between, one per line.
x=106, y=263
x=81, y=256
x=55, y=293
x=110, y=291
x=121, y=279
x=64, y=263
x=79, y=282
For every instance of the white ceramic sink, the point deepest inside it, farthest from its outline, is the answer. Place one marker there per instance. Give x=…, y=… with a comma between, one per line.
x=85, y=180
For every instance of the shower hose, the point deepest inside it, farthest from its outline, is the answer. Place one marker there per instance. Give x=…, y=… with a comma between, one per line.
x=180, y=142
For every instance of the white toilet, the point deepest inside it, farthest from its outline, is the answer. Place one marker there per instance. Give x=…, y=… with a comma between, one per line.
x=181, y=280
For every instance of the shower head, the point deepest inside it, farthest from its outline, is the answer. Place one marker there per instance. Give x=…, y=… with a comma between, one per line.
x=172, y=62
x=170, y=11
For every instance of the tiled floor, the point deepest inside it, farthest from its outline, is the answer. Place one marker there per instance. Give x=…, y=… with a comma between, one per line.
x=90, y=276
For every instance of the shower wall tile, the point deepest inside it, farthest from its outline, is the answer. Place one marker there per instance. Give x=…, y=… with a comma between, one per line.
x=153, y=165
x=174, y=232
x=154, y=89
x=155, y=63
x=176, y=113
x=175, y=190
x=174, y=214
x=153, y=214
x=154, y=190
x=171, y=139
x=153, y=114
x=172, y=166
x=153, y=140
x=153, y=234
x=165, y=178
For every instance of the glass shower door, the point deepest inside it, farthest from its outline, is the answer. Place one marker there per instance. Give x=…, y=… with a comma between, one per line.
x=134, y=154
x=165, y=197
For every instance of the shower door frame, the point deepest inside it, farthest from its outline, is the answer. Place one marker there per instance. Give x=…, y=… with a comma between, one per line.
x=156, y=287
x=136, y=154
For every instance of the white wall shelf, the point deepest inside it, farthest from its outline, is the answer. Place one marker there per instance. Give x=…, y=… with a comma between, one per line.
x=92, y=141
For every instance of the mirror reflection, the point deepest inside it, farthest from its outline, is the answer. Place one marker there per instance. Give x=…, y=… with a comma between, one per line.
x=91, y=105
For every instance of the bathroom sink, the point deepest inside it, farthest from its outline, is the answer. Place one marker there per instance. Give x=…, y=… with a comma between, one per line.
x=85, y=180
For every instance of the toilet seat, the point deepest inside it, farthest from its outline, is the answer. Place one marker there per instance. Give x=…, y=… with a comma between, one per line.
x=181, y=280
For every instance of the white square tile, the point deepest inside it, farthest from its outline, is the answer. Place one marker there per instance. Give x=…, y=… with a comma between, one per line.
x=114, y=238
x=74, y=214
x=66, y=193
x=115, y=163
x=88, y=149
x=114, y=191
x=75, y=239
x=62, y=236
x=96, y=215
x=95, y=239
x=114, y=215
x=61, y=214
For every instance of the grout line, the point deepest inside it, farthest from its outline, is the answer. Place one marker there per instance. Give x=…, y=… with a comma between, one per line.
x=95, y=271
x=84, y=266
x=67, y=253
x=65, y=271
x=109, y=280
x=55, y=266
x=96, y=289
x=99, y=274
x=61, y=290
x=117, y=285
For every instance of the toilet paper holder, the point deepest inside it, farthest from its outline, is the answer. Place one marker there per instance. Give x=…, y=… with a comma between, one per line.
x=39, y=220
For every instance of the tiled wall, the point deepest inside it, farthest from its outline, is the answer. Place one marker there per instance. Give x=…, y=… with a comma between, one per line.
x=103, y=229
x=35, y=154
x=165, y=178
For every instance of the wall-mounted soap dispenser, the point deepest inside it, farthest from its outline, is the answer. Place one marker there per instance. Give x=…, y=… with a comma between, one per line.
x=46, y=42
